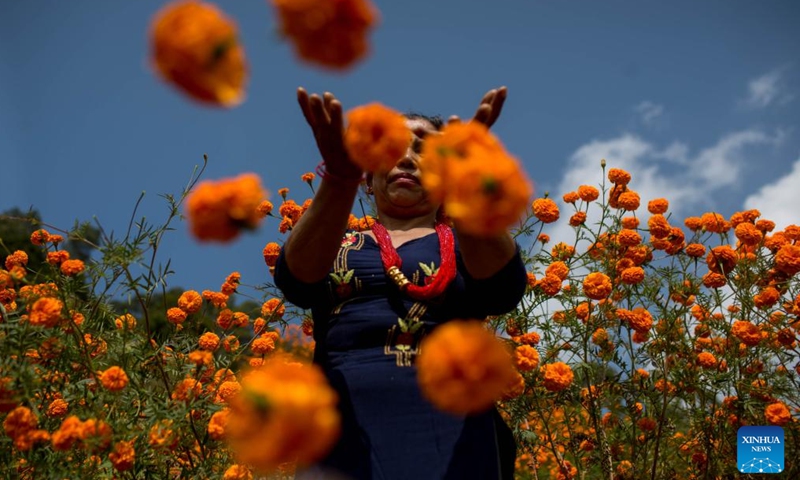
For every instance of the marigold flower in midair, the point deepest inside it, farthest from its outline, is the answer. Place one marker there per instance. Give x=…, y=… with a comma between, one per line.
x=376, y=137
x=463, y=368
x=219, y=210
x=195, y=47
x=329, y=33
x=285, y=411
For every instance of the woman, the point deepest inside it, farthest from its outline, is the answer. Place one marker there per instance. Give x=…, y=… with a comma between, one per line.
x=368, y=325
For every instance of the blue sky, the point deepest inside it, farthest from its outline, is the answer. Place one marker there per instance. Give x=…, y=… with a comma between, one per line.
x=698, y=99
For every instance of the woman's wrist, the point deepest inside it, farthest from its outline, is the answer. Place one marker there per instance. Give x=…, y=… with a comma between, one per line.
x=334, y=179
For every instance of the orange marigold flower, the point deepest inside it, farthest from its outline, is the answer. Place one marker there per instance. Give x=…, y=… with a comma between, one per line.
x=526, y=358
x=187, y=389
x=600, y=337
x=72, y=267
x=227, y=390
x=125, y=322
x=530, y=338
x=559, y=269
x=545, y=210
x=237, y=472
x=484, y=189
x=176, y=315
x=57, y=408
x=657, y=206
x=792, y=232
x=767, y=297
x=695, y=250
x=190, y=302
x=208, y=341
x=40, y=237
x=17, y=259
x=619, y=176
x=230, y=343
x=217, y=423
x=201, y=358
x=714, y=223
x=745, y=331
x=196, y=48
x=693, y=223
x=570, y=197
x=264, y=208
x=290, y=209
x=308, y=327
x=658, y=226
x=376, y=137
x=543, y=238
x=632, y=275
x=329, y=34
x=58, y=257
x=706, y=360
x=240, y=319
x=562, y=251
x=515, y=388
x=765, y=226
x=577, y=219
x=597, y=286
x=231, y=283
x=646, y=424
x=748, y=234
x=218, y=299
x=588, y=193
x=550, y=285
x=265, y=343
x=225, y=319
x=219, y=210
x=638, y=319
x=629, y=238
x=630, y=223
x=114, y=379
x=787, y=260
x=285, y=411
x=271, y=252
x=629, y=200
x=557, y=376
x=46, y=312
x=273, y=309
x=721, y=259
x=19, y=422
x=123, y=456
x=714, y=280
x=777, y=414
x=463, y=368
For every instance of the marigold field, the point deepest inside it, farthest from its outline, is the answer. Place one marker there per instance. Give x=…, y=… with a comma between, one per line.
x=644, y=341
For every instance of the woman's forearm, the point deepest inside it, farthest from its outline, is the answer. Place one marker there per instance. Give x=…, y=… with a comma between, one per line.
x=483, y=257
x=314, y=242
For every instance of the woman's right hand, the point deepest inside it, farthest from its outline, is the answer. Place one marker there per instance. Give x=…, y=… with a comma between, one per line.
x=324, y=116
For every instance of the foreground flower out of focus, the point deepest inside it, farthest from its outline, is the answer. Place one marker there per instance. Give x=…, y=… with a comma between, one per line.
x=195, y=47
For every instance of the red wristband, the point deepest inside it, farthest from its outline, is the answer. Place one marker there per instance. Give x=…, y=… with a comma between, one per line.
x=326, y=175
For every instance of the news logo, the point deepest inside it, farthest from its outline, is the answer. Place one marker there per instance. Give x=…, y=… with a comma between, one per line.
x=760, y=450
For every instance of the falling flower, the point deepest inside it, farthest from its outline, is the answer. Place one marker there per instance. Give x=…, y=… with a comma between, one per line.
x=329, y=33
x=463, y=368
x=195, y=47
x=219, y=210
x=376, y=137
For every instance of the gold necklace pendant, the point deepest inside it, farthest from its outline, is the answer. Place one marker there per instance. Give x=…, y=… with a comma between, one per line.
x=398, y=277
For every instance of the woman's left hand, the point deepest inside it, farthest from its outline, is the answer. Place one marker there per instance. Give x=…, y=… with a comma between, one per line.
x=489, y=109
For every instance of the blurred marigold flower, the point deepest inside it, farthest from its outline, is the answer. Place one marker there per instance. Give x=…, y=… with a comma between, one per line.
x=57, y=408
x=777, y=414
x=196, y=48
x=329, y=33
x=114, y=379
x=748, y=333
x=46, y=312
x=787, y=260
x=123, y=456
x=264, y=208
x=72, y=267
x=273, y=309
x=630, y=223
x=176, y=315
x=219, y=210
x=125, y=322
x=556, y=376
x=577, y=219
x=17, y=259
x=40, y=237
x=58, y=257
x=285, y=411
x=162, y=435
x=463, y=368
x=271, y=252
x=706, y=360
x=376, y=137
x=237, y=472
x=484, y=190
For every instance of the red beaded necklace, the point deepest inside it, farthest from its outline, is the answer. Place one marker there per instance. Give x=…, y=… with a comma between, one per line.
x=392, y=262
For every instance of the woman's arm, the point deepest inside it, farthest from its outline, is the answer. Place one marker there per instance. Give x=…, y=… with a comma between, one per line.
x=314, y=242
x=483, y=257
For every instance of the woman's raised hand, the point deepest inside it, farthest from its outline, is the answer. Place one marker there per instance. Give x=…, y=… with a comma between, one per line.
x=489, y=109
x=324, y=116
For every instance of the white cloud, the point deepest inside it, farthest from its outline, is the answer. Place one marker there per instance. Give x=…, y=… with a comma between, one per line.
x=689, y=181
x=767, y=89
x=649, y=111
x=779, y=200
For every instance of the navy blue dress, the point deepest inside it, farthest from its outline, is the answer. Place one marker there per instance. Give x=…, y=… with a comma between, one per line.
x=389, y=431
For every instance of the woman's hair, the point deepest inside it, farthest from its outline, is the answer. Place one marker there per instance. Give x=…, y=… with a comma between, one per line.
x=434, y=120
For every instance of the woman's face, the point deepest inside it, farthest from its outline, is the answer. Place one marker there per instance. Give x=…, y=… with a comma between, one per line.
x=398, y=193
